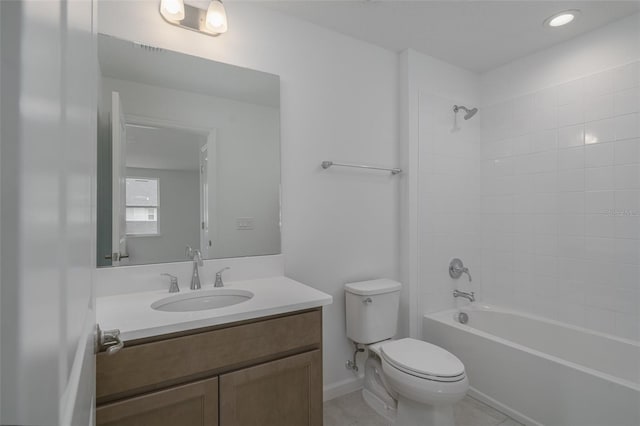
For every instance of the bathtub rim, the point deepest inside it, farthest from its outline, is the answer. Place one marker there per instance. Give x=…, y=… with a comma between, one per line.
x=448, y=317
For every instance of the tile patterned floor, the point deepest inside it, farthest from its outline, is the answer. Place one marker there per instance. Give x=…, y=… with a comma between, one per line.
x=351, y=410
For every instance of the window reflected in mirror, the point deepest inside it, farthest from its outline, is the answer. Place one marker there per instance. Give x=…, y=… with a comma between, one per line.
x=142, y=206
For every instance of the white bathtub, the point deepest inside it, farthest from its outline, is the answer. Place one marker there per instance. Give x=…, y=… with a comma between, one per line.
x=543, y=372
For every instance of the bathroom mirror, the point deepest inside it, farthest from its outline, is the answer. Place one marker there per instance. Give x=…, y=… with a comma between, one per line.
x=188, y=155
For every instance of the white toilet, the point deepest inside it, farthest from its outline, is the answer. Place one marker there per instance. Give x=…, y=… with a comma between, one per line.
x=408, y=381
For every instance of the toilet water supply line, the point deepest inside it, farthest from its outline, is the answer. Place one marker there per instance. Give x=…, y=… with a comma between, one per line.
x=353, y=364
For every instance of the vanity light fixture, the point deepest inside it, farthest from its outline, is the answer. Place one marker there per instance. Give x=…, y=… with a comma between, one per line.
x=212, y=21
x=216, y=17
x=172, y=9
x=561, y=18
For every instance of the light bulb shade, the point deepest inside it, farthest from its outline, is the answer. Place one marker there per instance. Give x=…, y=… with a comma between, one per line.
x=562, y=18
x=172, y=10
x=216, y=20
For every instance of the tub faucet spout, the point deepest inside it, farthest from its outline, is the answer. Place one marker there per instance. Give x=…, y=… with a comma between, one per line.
x=471, y=296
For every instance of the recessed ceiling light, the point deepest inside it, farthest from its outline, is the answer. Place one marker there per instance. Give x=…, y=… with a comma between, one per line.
x=562, y=18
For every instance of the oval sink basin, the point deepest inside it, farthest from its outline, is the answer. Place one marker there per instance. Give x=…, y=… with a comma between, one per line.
x=202, y=300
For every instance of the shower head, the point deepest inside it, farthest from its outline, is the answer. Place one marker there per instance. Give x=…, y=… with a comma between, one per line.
x=469, y=112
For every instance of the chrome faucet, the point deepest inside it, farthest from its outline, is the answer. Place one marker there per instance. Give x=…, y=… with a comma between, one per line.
x=196, y=256
x=457, y=268
x=471, y=297
x=219, y=282
x=174, y=283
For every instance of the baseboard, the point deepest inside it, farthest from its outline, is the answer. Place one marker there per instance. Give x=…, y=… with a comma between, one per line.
x=337, y=389
x=515, y=415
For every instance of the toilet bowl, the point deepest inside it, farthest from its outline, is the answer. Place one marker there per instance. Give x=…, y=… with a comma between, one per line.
x=410, y=382
x=423, y=372
x=423, y=380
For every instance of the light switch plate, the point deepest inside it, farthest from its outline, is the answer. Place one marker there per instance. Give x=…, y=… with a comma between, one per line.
x=244, y=223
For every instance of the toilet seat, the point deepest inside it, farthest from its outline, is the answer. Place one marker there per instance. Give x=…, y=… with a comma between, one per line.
x=423, y=360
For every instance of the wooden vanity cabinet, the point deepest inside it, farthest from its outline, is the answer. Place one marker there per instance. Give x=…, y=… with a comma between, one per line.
x=265, y=372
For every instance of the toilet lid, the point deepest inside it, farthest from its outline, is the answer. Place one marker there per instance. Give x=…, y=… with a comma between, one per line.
x=422, y=358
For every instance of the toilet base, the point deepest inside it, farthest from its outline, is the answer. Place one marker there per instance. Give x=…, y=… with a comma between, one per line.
x=389, y=412
x=376, y=393
x=411, y=413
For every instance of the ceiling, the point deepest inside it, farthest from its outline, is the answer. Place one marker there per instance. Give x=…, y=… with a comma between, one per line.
x=151, y=147
x=126, y=60
x=476, y=35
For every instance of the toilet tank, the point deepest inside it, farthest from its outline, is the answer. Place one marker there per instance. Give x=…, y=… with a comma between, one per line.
x=372, y=310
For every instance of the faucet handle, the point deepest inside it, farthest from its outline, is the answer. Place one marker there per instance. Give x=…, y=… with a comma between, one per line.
x=174, y=283
x=223, y=269
x=457, y=268
x=219, y=282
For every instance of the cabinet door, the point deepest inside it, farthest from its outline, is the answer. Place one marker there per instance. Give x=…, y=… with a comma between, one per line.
x=194, y=404
x=286, y=392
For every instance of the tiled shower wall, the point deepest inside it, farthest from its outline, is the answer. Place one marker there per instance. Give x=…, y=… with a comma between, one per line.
x=449, y=201
x=560, y=202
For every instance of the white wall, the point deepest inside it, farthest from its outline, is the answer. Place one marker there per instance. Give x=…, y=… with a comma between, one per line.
x=612, y=45
x=441, y=186
x=47, y=188
x=179, y=215
x=245, y=167
x=338, y=102
x=561, y=181
x=449, y=201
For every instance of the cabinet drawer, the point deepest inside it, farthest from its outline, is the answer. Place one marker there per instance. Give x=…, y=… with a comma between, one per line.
x=195, y=404
x=150, y=366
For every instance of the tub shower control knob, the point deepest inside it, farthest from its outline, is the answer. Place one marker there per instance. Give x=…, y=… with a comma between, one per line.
x=367, y=301
x=457, y=268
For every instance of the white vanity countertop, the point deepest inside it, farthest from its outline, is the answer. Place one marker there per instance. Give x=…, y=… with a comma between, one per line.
x=132, y=313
